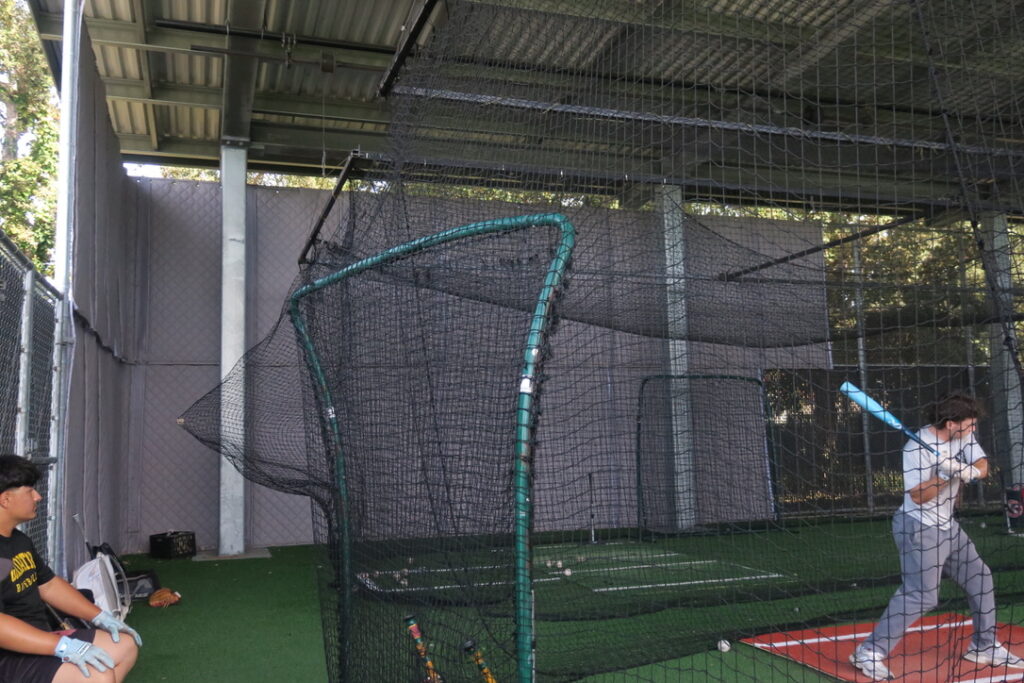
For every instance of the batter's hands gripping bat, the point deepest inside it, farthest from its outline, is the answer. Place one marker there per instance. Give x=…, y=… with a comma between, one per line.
x=875, y=409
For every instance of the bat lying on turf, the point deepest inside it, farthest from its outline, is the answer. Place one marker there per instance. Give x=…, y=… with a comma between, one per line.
x=875, y=409
x=478, y=656
x=433, y=675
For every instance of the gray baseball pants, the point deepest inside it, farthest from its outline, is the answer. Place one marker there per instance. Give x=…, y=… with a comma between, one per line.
x=925, y=552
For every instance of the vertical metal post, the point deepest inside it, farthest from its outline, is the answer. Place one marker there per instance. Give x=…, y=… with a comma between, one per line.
x=1008, y=410
x=63, y=267
x=24, y=446
x=232, y=343
x=684, y=476
x=862, y=371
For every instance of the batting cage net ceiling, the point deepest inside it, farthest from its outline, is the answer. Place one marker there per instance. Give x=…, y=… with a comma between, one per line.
x=561, y=379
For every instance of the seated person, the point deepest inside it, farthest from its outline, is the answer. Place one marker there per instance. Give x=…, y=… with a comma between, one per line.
x=29, y=651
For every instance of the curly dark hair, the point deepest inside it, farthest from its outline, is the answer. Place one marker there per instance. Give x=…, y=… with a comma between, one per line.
x=956, y=406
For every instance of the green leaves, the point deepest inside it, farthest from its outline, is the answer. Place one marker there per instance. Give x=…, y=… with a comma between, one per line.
x=28, y=149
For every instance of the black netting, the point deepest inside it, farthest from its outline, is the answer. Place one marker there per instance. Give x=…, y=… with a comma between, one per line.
x=768, y=200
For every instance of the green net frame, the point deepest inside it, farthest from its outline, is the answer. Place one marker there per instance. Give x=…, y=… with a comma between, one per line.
x=525, y=406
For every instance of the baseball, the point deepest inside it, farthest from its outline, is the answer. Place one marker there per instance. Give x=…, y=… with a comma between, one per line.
x=567, y=572
x=724, y=646
x=558, y=564
x=983, y=525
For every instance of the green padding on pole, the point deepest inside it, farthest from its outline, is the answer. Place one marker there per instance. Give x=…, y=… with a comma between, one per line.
x=525, y=423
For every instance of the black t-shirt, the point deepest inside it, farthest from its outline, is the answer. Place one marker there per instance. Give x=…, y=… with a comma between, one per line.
x=21, y=574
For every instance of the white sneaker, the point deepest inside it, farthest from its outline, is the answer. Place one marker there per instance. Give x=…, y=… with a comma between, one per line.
x=997, y=655
x=871, y=664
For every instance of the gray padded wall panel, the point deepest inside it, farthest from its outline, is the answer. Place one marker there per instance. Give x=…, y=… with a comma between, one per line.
x=178, y=481
x=97, y=460
x=177, y=478
x=284, y=217
x=182, y=265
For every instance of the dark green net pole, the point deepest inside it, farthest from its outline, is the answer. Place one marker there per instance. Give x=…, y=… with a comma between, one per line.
x=525, y=423
x=525, y=427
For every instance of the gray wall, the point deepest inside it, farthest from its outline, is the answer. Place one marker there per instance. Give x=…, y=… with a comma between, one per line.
x=176, y=478
x=97, y=462
x=147, y=293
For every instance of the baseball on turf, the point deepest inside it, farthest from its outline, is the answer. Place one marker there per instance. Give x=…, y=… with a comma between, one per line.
x=724, y=646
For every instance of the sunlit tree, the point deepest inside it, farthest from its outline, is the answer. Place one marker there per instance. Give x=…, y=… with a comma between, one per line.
x=28, y=150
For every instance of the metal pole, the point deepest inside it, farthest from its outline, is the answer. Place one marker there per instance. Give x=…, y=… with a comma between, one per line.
x=862, y=368
x=63, y=266
x=23, y=446
x=232, y=345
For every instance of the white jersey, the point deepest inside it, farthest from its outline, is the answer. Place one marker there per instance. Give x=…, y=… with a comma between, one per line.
x=920, y=465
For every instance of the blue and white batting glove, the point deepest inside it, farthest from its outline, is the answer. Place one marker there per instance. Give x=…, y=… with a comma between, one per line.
x=108, y=622
x=83, y=655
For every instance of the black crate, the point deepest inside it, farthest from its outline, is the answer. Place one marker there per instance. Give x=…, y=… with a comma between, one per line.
x=172, y=544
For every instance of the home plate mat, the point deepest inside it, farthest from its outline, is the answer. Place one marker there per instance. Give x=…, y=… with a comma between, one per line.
x=932, y=650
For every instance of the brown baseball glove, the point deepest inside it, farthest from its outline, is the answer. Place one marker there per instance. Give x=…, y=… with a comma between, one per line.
x=164, y=597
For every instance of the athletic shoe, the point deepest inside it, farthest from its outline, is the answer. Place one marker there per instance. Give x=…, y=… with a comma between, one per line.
x=871, y=664
x=997, y=655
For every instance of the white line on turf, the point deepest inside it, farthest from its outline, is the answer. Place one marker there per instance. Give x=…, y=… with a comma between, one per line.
x=687, y=583
x=376, y=588
x=855, y=636
x=642, y=566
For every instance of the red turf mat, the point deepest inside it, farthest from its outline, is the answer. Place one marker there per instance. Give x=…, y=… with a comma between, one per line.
x=931, y=652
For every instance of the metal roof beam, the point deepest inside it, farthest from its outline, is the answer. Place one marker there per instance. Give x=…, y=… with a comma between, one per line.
x=305, y=143
x=674, y=17
x=240, y=72
x=273, y=105
x=175, y=40
x=409, y=38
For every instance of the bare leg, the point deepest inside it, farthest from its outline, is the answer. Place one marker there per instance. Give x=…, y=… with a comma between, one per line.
x=124, y=654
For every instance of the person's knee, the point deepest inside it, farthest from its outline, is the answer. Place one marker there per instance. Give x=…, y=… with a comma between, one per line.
x=124, y=651
x=125, y=643
x=70, y=673
x=923, y=600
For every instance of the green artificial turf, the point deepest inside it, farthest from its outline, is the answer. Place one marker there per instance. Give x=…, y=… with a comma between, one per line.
x=258, y=620
x=238, y=620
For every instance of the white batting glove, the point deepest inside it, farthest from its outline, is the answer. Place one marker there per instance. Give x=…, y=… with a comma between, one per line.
x=951, y=468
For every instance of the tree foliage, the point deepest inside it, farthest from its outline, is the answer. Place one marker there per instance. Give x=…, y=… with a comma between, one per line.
x=263, y=178
x=28, y=150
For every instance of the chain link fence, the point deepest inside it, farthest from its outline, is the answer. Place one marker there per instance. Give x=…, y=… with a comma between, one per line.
x=27, y=309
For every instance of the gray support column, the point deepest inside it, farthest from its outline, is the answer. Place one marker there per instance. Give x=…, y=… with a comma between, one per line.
x=22, y=444
x=684, y=475
x=232, y=343
x=862, y=367
x=63, y=278
x=1008, y=413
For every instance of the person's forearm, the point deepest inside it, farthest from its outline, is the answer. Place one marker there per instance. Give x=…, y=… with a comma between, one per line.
x=61, y=595
x=982, y=466
x=927, y=490
x=19, y=636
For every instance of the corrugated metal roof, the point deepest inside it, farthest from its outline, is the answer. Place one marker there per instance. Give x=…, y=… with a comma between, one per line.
x=173, y=74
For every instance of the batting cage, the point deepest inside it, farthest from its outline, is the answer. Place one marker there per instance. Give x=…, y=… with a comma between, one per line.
x=562, y=378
